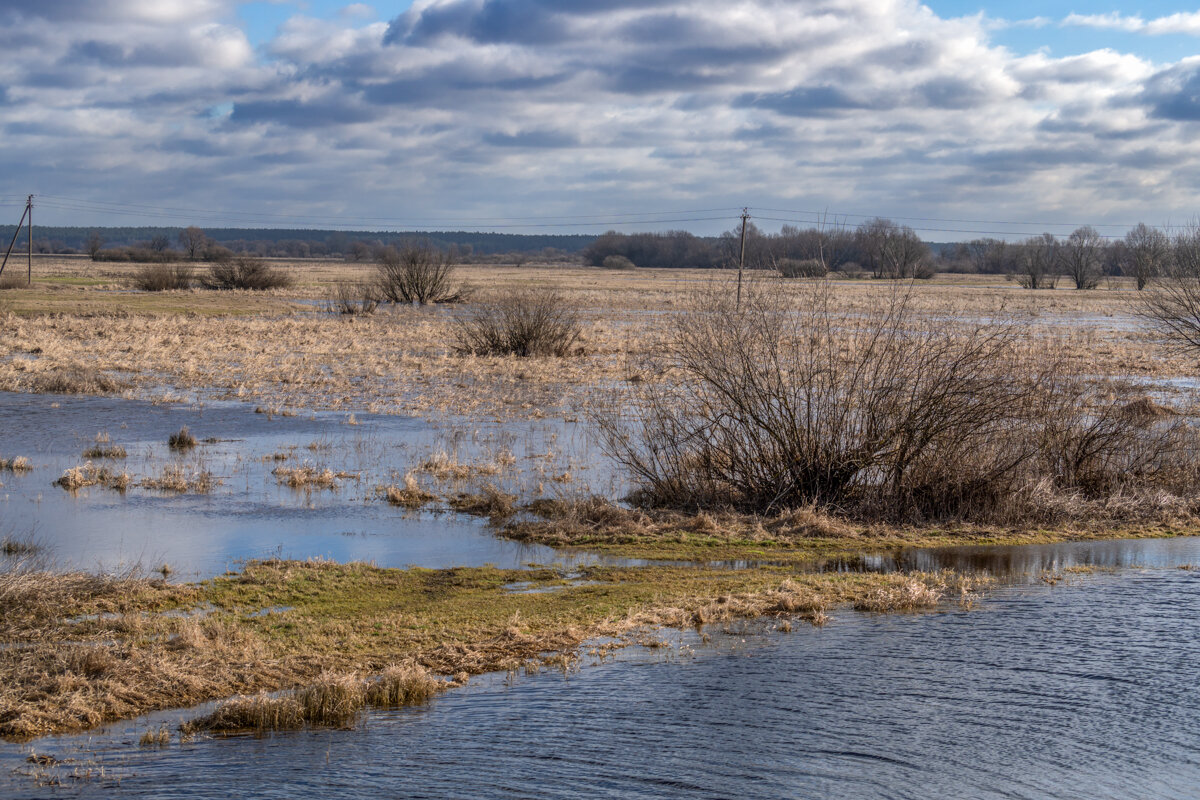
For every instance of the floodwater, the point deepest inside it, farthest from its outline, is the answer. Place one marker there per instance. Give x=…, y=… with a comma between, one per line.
x=1084, y=689
x=251, y=515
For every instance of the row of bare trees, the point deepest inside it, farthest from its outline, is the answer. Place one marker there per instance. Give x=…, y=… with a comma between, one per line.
x=1084, y=257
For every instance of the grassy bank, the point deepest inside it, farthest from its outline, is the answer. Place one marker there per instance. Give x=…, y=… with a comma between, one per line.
x=81, y=650
x=801, y=536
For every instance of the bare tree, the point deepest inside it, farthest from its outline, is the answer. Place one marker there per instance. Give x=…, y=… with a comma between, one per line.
x=989, y=256
x=1080, y=257
x=892, y=251
x=1038, y=259
x=1147, y=251
x=416, y=273
x=1172, y=305
x=94, y=242
x=193, y=241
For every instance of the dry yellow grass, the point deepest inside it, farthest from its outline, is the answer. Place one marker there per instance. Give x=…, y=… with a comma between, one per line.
x=276, y=351
x=80, y=649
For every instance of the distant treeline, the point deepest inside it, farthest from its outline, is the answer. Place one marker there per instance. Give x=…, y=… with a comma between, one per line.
x=296, y=243
x=877, y=248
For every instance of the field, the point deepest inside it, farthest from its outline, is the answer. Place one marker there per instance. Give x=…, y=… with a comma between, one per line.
x=81, y=329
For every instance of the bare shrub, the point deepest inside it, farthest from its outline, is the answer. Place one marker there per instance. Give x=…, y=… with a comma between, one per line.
x=13, y=280
x=524, y=322
x=416, y=273
x=163, y=277
x=245, y=272
x=883, y=416
x=353, y=299
x=618, y=262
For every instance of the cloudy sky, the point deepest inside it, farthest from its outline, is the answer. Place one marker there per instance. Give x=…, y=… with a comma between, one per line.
x=565, y=115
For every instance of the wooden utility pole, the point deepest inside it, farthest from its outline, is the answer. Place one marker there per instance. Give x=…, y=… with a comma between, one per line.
x=742, y=257
x=28, y=212
x=29, y=252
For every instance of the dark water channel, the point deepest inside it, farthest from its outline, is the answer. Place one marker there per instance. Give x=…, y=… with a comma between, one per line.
x=1084, y=689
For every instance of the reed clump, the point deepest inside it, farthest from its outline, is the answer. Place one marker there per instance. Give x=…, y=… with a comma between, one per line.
x=489, y=502
x=182, y=440
x=177, y=479
x=17, y=464
x=331, y=700
x=88, y=474
x=411, y=495
x=305, y=477
x=103, y=447
x=71, y=380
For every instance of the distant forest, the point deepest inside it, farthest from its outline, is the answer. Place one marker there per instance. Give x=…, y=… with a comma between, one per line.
x=295, y=243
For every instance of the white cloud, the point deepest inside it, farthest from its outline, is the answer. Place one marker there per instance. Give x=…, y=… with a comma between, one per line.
x=1183, y=22
x=465, y=108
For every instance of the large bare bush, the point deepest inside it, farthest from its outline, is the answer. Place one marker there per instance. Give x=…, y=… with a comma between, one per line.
x=416, y=273
x=245, y=272
x=524, y=322
x=786, y=404
x=163, y=277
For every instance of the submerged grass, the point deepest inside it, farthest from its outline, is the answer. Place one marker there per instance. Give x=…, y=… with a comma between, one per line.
x=83, y=649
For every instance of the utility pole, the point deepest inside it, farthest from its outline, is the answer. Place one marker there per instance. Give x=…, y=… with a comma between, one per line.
x=29, y=252
x=742, y=257
x=28, y=212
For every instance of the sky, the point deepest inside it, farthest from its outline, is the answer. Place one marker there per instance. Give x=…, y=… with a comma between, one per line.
x=959, y=118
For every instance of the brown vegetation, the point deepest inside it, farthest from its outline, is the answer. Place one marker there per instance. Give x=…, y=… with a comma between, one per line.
x=537, y=322
x=882, y=416
x=416, y=273
x=163, y=277
x=245, y=272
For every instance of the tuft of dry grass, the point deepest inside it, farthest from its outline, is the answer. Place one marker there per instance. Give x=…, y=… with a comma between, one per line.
x=410, y=496
x=19, y=547
x=331, y=700
x=104, y=448
x=156, y=738
x=88, y=474
x=306, y=477
x=490, y=502
x=179, y=480
x=18, y=464
x=70, y=380
x=183, y=440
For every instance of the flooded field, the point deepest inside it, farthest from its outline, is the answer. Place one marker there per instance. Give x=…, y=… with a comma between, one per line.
x=251, y=513
x=1081, y=689
x=721, y=656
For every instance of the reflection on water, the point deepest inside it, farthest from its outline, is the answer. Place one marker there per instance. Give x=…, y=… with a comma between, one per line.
x=1081, y=690
x=1019, y=562
x=251, y=515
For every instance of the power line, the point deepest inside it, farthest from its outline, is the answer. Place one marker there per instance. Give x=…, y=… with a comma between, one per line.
x=820, y=214
x=105, y=205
